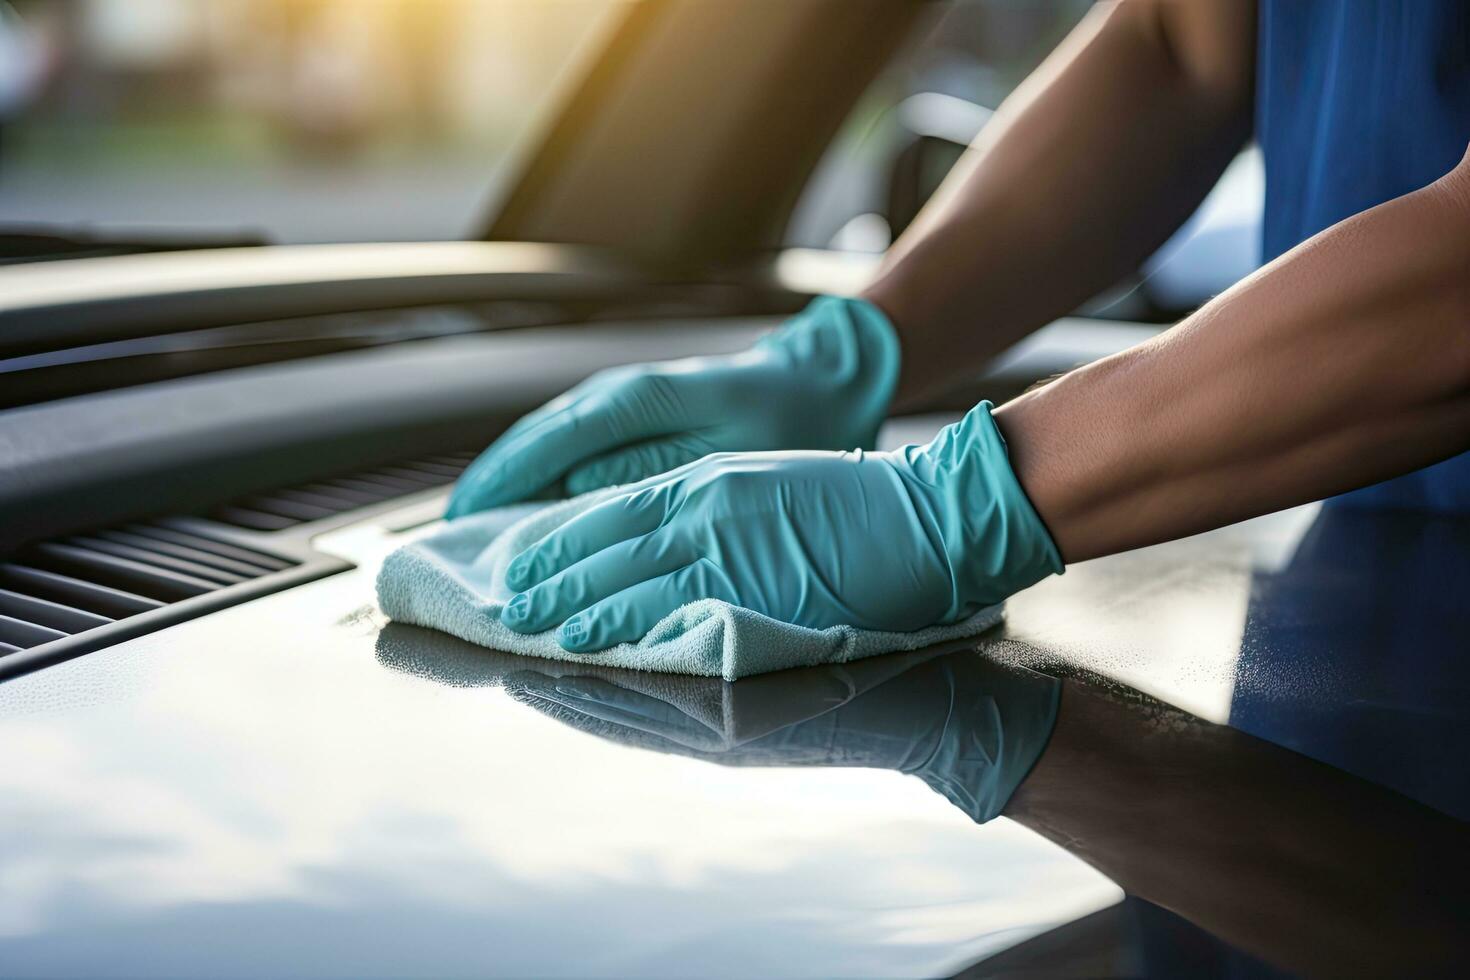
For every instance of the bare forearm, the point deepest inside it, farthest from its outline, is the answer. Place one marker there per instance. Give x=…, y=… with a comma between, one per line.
x=1084, y=171
x=1345, y=362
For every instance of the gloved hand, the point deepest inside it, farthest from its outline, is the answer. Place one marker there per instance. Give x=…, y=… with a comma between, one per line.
x=891, y=541
x=822, y=381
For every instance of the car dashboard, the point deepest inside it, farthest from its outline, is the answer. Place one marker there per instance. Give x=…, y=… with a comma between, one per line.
x=291, y=784
x=257, y=774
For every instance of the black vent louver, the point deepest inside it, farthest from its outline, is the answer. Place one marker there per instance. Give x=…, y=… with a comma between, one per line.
x=280, y=509
x=59, y=590
x=69, y=596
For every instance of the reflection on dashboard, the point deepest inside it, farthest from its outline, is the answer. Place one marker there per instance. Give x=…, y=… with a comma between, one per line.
x=968, y=727
x=1285, y=862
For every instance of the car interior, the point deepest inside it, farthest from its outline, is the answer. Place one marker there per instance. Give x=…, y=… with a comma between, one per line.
x=225, y=762
x=248, y=397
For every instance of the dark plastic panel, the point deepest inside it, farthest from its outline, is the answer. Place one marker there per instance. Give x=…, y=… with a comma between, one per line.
x=18, y=661
x=87, y=596
x=159, y=559
x=95, y=589
x=164, y=530
x=123, y=573
x=42, y=612
x=26, y=634
x=160, y=547
x=171, y=447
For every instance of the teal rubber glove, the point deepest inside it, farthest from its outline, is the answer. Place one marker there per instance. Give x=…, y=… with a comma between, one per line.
x=891, y=541
x=822, y=381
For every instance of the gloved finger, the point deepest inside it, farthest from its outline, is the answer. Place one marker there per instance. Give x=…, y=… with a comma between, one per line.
x=604, y=574
x=624, y=516
x=463, y=499
x=628, y=616
x=636, y=462
x=474, y=490
x=514, y=468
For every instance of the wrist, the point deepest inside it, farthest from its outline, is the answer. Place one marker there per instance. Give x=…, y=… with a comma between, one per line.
x=995, y=541
x=1082, y=464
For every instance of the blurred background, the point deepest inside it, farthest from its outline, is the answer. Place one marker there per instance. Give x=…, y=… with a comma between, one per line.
x=290, y=120
x=383, y=120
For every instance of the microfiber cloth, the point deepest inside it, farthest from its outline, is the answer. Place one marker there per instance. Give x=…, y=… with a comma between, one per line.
x=454, y=581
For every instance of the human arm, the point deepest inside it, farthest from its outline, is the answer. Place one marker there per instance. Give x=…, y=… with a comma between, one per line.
x=1081, y=175
x=1344, y=362
x=1084, y=171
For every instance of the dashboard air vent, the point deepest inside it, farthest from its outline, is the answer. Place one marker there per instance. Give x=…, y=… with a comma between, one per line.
x=280, y=509
x=59, y=590
x=71, y=595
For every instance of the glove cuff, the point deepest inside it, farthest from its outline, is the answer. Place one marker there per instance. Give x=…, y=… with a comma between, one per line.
x=996, y=542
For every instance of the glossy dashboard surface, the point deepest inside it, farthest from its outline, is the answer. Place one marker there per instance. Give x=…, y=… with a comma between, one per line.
x=289, y=787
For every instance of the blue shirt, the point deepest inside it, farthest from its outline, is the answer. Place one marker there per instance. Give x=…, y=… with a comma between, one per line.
x=1359, y=102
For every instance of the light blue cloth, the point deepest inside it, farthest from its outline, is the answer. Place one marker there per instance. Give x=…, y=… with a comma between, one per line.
x=454, y=581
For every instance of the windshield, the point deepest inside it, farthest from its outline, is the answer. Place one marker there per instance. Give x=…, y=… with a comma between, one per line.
x=238, y=121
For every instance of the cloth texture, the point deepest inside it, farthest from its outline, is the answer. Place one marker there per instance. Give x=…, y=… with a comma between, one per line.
x=454, y=581
x=1359, y=102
